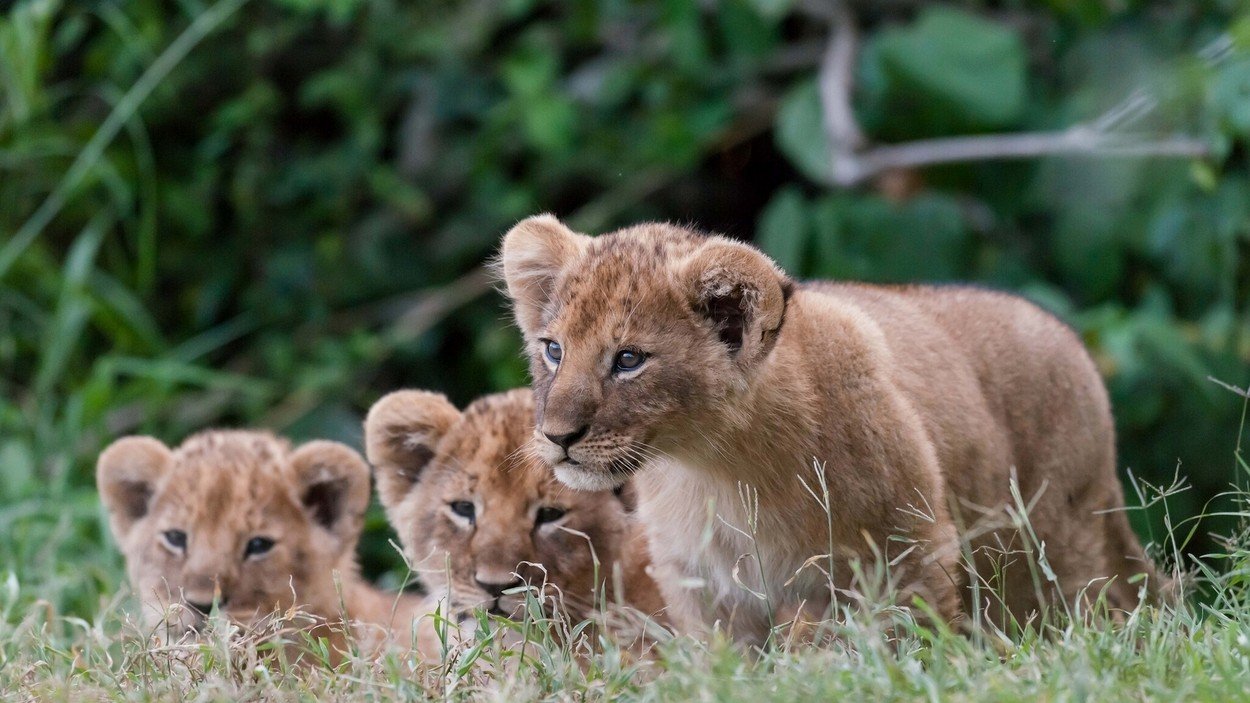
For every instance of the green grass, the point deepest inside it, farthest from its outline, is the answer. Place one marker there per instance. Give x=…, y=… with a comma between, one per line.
x=1198, y=649
x=66, y=633
x=1188, y=653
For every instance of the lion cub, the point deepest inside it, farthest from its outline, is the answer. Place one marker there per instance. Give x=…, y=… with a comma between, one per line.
x=240, y=521
x=695, y=365
x=479, y=516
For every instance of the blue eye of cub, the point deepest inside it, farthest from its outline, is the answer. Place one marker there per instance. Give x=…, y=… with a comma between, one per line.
x=627, y=360
x=175, y=538
x=554, y=351
x=257, y=546
x=463, y=508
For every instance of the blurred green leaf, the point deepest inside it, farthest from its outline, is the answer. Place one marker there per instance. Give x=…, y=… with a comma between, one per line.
x=390, y=188
x=23, y=37
x=753, y=32
x=1091, y=258
x=122, y=315
x=873, y=239
x=73, y=308
x=1239, y=31
x=784, y=229
x=967, y=65
x=550, y=123
x=772, y=9
x=17, y=463
x=339, y=11
x=801, y=132
x=1231, y=93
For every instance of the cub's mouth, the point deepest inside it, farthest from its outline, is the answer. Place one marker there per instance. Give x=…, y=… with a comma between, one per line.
x=583, y=477
x=467, y=615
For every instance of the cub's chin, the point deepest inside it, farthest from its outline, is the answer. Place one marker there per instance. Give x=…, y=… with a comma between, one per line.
x=580, y=477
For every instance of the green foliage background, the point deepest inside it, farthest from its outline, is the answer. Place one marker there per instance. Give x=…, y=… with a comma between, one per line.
x=277, y=233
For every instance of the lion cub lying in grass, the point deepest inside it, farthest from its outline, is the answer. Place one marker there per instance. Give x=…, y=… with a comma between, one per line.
x=480, y=517
x=239, y=521
x=694, y=365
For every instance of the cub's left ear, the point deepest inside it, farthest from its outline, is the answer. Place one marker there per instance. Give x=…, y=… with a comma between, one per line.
x=741, y=293
x=332, y=483
x=402, y=432
x=532, y=256
x=127, y=475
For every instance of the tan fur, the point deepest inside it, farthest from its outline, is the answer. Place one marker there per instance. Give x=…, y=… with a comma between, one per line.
x=427, y=455
x=223, y=488
x=919, y=403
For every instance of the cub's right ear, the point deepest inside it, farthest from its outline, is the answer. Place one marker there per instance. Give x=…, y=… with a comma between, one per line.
x=533, y=254
x=402, y=431
x=741, y=294
x=126, y=475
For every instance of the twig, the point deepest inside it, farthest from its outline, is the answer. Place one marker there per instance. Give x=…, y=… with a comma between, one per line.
x=1228, y=386
x=431, y=306
x=1076, y=140
x=853, y=162
x=837, y=76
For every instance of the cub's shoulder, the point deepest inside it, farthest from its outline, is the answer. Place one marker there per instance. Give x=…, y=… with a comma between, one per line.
x=940, y=300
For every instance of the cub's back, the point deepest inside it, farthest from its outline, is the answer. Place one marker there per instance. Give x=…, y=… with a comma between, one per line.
x=999, y=382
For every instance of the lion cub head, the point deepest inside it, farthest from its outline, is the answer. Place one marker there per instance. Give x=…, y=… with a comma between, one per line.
x=233, y=519
x=477, y=514
x=639, y=339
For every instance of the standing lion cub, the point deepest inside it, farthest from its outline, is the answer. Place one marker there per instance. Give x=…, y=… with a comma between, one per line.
x=239, y=521
x=696, y=366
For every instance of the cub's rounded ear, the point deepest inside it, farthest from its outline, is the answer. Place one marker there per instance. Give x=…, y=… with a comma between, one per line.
x=741, y=293
x=331, y=481
x=402, y=431
x=127, y=475
x=533, y=254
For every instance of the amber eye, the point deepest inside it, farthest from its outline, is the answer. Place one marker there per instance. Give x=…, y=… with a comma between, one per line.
x=257, y=546
x=628, y=360
x=554, y=352
x=463, y=508
x=546, y=515
x=176, y=539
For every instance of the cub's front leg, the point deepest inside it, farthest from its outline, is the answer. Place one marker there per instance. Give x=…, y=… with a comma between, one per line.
x=914, y=562
x=885, y=478
x=683, y=605
x=699, y=602
x=931, y=572
x=800, y=622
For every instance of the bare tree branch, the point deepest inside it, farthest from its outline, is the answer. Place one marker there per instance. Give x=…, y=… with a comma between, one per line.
x=1079, y=140
x=1239, y=391
x=853, y=161
x=429, y=307
x=837, y=77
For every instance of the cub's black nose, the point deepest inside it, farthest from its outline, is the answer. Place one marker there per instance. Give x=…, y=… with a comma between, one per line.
x=206, y=608
x=569, y=438
x=496, y=589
